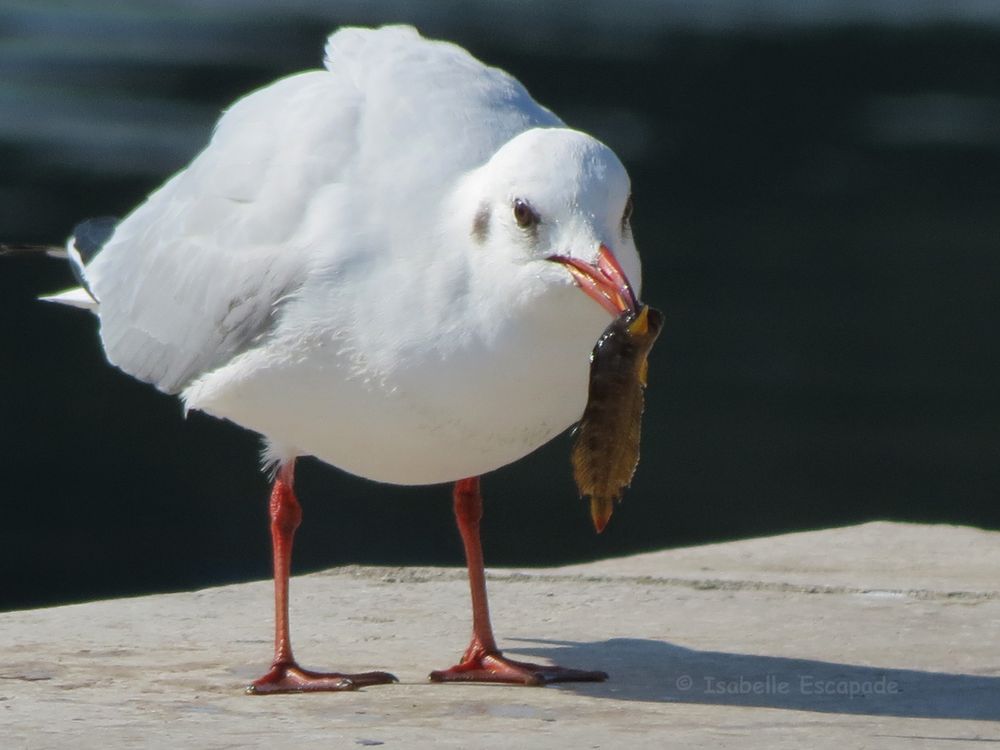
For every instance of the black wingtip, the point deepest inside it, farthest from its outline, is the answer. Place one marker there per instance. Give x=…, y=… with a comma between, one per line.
x=91, y=235
x=18, y=249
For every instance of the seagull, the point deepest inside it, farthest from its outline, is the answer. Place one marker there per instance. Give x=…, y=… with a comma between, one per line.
x=379, y=264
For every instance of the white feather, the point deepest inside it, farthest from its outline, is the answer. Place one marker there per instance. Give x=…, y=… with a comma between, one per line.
x=312, y=274
x=75, y=297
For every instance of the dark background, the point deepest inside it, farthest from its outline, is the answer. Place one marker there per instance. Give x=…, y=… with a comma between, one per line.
x=817, y=204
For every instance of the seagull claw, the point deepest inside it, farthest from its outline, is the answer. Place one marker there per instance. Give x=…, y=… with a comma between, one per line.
x=495, y=667
x=291, y=678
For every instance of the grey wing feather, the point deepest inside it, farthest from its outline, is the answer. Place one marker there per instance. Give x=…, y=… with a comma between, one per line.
x=196, y=275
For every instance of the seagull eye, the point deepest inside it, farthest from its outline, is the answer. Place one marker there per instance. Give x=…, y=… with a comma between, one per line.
x=524, y=214
x=627, y=213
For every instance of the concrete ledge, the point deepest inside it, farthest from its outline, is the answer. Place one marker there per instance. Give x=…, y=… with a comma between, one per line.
x=883, y=634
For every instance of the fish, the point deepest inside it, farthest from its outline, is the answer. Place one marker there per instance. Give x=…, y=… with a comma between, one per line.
x=606, y=448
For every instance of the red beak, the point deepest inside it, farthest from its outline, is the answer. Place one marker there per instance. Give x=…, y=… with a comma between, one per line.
x=604, y=282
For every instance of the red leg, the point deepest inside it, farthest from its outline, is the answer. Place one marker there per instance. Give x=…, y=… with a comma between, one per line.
x=482, y=661
x=285, y=675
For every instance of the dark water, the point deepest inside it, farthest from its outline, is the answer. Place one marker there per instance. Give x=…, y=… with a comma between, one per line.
x=818, y=208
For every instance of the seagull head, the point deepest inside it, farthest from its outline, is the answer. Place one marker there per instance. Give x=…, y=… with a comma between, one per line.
x=552, y=211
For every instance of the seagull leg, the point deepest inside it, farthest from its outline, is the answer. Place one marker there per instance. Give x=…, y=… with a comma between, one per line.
x=285, y=675
x=482, y=661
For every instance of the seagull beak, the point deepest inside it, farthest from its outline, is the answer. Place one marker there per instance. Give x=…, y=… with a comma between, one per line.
x=603, y=281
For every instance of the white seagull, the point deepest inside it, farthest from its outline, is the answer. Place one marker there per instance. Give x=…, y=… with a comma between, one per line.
x=378, y=264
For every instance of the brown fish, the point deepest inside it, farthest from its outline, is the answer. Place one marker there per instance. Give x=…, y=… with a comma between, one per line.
x=606, y=450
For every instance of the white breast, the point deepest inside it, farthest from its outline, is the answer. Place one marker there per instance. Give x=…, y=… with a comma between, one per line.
x=428, y=419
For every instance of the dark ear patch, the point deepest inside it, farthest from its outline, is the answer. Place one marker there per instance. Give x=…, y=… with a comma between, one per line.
x=481, y=224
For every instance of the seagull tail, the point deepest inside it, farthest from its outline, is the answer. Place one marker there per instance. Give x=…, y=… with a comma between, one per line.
x=86, y=241
x=75, y=297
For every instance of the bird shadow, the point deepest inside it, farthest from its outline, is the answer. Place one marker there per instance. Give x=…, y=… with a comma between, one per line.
x=656, y=671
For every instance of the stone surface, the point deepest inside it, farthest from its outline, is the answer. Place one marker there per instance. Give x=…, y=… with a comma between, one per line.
x=882, y=635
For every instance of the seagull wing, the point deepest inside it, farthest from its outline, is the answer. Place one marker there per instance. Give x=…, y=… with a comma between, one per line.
x=200, y=272
x=197, y=273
